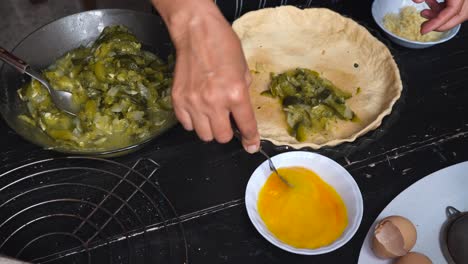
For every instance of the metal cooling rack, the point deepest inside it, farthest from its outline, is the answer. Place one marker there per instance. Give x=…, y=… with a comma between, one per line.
x=88, y=210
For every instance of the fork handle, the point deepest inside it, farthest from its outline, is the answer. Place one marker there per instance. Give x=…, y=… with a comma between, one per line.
x=237, y=133
x=12, y=60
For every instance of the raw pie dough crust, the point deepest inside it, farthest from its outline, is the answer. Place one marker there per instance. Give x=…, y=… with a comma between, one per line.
x=341, y=50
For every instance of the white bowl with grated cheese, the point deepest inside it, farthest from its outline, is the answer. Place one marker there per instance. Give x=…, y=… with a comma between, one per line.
x=380, y=8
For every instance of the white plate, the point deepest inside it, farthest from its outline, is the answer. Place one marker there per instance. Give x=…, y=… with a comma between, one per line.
x=424, y=204
x=331, y=172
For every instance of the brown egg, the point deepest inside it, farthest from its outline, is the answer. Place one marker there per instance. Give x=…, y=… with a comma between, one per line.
x=413, y=258
x=394, y=236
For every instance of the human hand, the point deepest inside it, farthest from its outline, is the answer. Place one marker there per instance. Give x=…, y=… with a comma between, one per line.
x=443, y=16
x=211, y=78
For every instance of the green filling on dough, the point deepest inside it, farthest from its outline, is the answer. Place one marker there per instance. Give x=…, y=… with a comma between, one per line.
x=309, y=101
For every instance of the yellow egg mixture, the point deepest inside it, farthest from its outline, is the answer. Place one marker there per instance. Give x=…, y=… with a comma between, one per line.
x=310, y=214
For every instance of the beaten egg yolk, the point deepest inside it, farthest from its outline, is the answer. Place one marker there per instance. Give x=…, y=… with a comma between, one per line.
x=309, y=215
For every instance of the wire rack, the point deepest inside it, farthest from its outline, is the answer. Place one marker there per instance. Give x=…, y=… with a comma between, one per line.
x=88, y=210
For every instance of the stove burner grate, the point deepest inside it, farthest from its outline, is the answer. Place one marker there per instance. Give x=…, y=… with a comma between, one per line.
x=88, y=210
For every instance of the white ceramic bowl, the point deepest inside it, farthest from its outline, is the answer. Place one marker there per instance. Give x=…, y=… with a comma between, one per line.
x=382, y=7
x=331, y=172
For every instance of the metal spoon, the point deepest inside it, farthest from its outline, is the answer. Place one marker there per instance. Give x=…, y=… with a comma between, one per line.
x=272, y=166
x=62, y=99
x=238, y=135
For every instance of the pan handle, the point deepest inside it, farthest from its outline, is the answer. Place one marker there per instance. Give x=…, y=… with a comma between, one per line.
x=11, y=59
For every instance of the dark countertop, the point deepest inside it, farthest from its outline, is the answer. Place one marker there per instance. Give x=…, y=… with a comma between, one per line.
x=427, y=131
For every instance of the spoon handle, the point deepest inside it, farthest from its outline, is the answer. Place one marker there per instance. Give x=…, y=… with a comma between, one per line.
x=14, y=61
x=238, y=136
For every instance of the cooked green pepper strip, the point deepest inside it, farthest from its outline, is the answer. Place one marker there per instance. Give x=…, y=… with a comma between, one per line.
x=124, y=92
x=308, y=101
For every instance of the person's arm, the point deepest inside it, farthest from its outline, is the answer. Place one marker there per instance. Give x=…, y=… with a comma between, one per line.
x=211, y=78
x=443, y=16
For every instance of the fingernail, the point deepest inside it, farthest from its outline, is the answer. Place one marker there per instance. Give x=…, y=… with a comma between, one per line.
x=252, y=149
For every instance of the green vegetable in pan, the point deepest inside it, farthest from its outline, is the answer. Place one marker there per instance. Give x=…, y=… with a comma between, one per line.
x=124, y=93
x=308, y=101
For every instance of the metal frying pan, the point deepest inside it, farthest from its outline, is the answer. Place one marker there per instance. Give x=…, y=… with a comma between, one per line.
x=43, y=46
